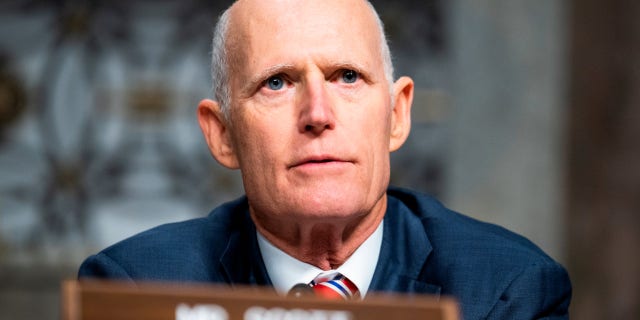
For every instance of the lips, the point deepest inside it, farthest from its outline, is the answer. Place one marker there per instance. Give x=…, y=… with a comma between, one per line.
x=317, y=160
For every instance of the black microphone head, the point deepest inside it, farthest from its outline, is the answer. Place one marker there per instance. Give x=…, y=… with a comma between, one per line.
x=301, y=290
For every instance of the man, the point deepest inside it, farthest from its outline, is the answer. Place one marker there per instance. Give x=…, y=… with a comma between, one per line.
x=307, y=109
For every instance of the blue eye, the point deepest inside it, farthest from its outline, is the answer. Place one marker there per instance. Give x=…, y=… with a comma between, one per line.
x=349, y=76
x=275, y=83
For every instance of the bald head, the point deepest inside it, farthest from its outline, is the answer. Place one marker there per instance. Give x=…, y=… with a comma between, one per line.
x=245, y=20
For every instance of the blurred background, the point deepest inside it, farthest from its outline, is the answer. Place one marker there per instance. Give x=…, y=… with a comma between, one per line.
x=527, y=114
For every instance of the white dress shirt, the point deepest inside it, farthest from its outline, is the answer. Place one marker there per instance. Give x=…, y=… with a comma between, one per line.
x=286, y=271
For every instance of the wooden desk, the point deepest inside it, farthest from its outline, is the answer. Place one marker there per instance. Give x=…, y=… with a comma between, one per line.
x=98, y=300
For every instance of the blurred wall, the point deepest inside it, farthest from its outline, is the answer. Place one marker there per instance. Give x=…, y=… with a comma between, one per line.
x=505, y=163
x=604, y=153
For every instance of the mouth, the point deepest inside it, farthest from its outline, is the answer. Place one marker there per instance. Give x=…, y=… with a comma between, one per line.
x=318, y=161
x=321, y=161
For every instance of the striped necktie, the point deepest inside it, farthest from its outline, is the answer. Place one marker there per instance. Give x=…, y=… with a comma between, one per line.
x=334, y=286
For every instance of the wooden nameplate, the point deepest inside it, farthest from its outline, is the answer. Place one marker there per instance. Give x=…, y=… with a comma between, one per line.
x=104, y=300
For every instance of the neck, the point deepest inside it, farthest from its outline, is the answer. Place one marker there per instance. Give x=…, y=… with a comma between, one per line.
x=324, y=243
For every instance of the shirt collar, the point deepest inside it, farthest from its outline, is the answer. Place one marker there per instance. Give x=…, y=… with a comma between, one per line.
x=286, y=271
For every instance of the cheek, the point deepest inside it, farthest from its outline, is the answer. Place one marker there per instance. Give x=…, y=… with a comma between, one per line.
x=376, y=132
x=251, y=151
x=258, y=145
x=375, y=124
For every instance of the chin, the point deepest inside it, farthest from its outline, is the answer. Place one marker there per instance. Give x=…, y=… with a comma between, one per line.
x=332, y=205
x=330, y=212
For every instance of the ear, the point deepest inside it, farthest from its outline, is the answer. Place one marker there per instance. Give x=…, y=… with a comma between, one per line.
x=401, y=113
x=216, y=132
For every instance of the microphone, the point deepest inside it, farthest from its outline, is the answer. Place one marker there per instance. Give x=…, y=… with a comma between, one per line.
x=301, y=290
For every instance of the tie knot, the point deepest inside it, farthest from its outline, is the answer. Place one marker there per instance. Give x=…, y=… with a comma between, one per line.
x=334, y=286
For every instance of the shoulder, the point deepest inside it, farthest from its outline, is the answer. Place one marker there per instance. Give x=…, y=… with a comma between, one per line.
x=450, y=233
x=178, y=251
x=487, y=267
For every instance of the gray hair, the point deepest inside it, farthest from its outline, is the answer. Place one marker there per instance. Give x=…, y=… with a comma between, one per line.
x=220, y=60
x=219, y=63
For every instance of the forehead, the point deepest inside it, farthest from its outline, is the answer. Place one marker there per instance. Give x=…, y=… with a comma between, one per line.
x=265, y=33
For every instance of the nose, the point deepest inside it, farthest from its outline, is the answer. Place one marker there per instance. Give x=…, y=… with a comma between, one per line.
x=316, y=109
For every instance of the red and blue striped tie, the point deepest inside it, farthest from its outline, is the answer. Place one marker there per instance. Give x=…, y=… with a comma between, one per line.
x=334, y=286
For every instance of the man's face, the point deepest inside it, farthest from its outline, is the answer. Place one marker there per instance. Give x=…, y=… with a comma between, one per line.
x=311, y=108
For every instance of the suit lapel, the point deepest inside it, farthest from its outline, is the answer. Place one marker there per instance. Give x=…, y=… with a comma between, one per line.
x=241, y=261
x=404, y=253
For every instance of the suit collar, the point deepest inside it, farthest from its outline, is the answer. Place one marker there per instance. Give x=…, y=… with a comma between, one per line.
x=241, y=261
x=404, y=253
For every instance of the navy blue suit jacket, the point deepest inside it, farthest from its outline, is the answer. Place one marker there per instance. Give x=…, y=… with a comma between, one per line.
x=426, y=249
